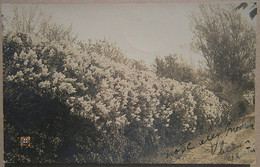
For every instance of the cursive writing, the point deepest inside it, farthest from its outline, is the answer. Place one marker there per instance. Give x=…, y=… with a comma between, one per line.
x=246, y=123
x=226, y=148
x=217, y=146
x=236, y=156
x=180, y=150
x=210, y=137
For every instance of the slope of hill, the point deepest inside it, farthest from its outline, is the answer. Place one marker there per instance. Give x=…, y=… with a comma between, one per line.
x=120, y=109
x=234, y=143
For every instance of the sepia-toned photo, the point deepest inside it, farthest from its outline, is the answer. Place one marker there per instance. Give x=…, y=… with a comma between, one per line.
x=137, y=83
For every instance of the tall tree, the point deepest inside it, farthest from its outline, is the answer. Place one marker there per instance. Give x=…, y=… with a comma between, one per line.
x=227, y=42
x=31, y=19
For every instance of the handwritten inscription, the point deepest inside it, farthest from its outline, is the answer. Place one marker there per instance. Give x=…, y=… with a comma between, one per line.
x=180, y=150
x=210, y=137
x=245, y=125
x=226, y=148
x=237, y=155
x=221, y=147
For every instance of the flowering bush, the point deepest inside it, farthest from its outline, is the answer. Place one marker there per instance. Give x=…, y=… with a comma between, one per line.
x=249, y=97
x=127, y=106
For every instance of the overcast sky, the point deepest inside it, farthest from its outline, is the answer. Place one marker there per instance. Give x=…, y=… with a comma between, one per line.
x=142, y=31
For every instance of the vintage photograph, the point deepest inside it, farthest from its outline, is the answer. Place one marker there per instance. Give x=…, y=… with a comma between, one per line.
x=142, y=83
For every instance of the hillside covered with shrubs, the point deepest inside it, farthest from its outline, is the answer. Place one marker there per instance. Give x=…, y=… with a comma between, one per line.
x=87, y=102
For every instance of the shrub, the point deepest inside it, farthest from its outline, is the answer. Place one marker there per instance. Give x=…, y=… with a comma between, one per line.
x=97, y=108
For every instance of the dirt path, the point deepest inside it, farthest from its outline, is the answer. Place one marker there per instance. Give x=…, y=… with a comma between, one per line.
x=233, y=144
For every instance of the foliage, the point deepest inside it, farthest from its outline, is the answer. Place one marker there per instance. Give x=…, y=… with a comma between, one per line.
x=86, y=102
x=33, y=20
x=227, y=43
x=121, y=111
x=170, y=67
